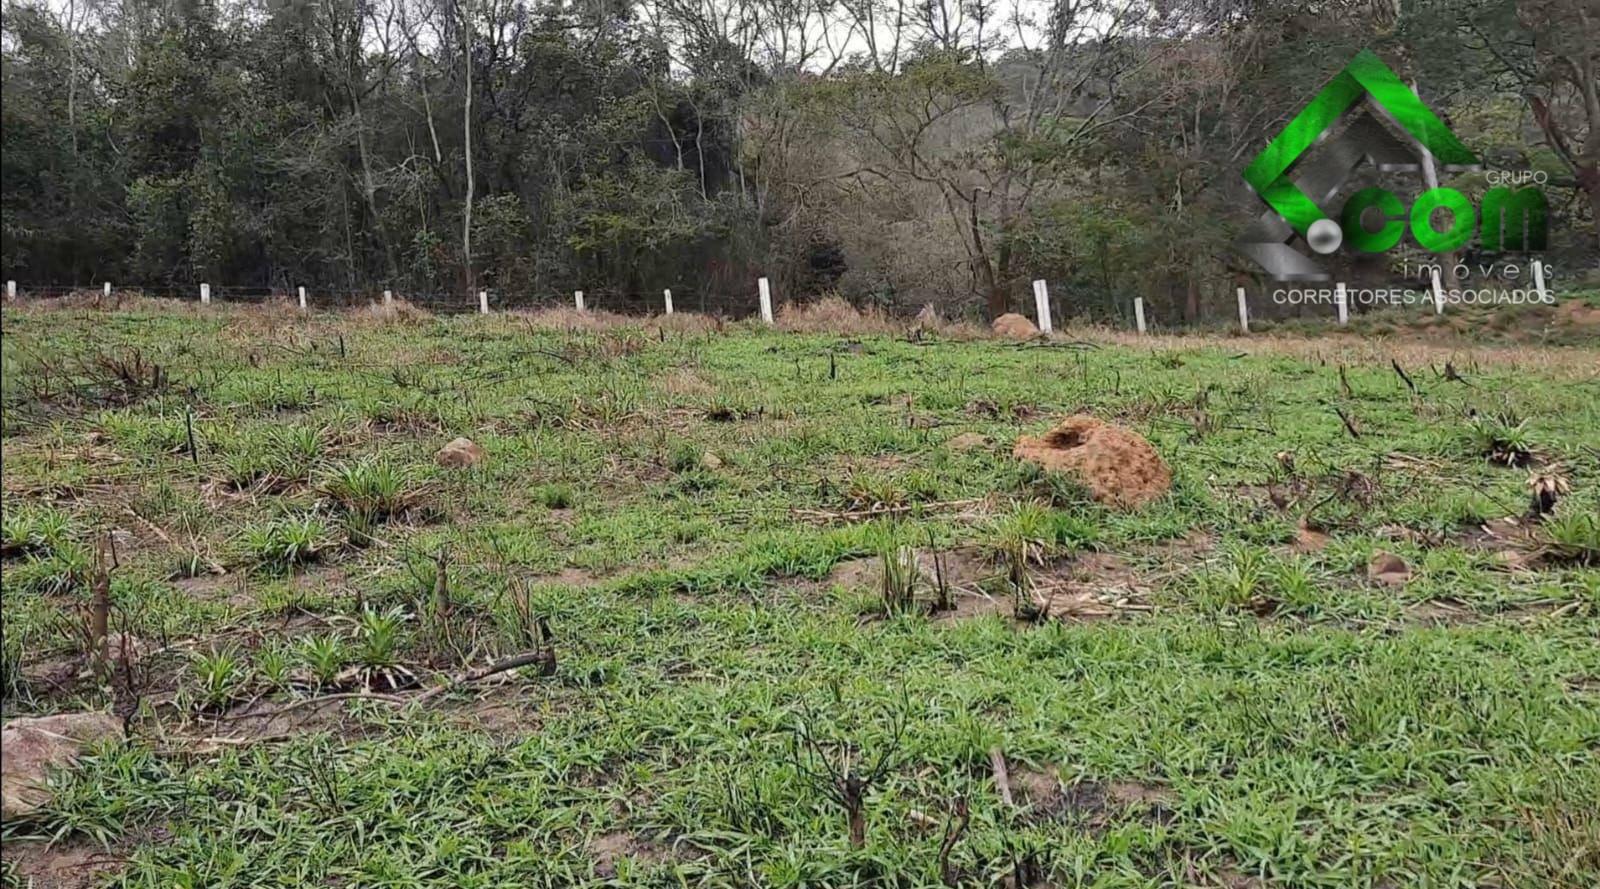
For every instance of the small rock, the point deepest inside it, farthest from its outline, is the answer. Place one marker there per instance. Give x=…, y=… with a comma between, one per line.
x=31, y=747
x=1307, y=540
x=967, y=441
x=460, y=452
x=1015, y=327
x=1388, y=569
x=710, y=461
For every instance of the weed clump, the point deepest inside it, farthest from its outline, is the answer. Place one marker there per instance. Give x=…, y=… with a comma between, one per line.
x=1501, y=438
x=284, y=544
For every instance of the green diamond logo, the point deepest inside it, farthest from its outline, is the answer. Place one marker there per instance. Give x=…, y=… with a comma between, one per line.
x=1366, y=76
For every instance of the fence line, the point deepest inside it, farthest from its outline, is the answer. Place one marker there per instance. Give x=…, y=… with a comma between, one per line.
x=309, y=298
x=627, y=302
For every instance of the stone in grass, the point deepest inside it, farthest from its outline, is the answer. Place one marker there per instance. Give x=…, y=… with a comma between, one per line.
x=460, y=452
x=1388, y=569
x=1015, y=327
x=710, y=461
x=967, y=441
x=32, y=746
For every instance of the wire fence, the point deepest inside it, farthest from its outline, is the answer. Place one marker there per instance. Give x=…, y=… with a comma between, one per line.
x=1334, y=302
x=438, y=302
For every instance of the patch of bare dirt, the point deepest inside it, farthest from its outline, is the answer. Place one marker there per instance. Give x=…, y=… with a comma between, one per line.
x=1092, y=586
x=1116, y=464
x=967, y=441
x=610, y=848
x=1044, y=797
x=575, y=577
x=1435, y=613
x=69, y=864
x=1191, y=547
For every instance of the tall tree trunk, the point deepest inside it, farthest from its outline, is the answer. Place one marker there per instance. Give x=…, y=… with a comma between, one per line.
x=997, y=300
x=466, y=127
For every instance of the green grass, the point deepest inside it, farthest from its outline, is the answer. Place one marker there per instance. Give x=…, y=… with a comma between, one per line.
x=1281, y=717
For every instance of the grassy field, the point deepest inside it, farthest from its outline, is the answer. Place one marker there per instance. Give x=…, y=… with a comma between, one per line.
x=706, y=533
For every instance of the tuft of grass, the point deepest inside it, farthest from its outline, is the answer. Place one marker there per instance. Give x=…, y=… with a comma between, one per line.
x=898, y=590
x=220, y=677
x=1501, y=438
x=13, y=684
x=27, y=529
x=323, y=658
x=274, y=663
x=1572, y=535
x=283, y=544
x=1036, y=533
x=375, y=490
x=554, y=496
x=379, y=637
x=1241, y=581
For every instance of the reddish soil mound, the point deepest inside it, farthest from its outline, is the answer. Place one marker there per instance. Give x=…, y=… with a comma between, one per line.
x=1117, y=465
x=1014, y=326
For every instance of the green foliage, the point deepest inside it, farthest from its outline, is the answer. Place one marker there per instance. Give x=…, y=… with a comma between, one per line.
x=374, y=490
x=285, y=543
x=219, y=676
x=1199, y=672
x=379, y=636
x=323, y=658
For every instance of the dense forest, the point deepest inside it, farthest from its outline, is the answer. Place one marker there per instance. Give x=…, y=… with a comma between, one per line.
x=895, y=151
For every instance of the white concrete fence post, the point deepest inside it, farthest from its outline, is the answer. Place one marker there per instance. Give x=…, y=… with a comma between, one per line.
x=666, y=296
x=1041, y=306
x=577, y=299
x=1341, y=300
x=108, y=288
x=302, y=299
x=1244, y=313
x=766, y=300
x=1138, y=312
x=483, y=302
x=1438, y=293
x=11, y=290
x=1538, y=280
x=388, y=297
x=205, y=294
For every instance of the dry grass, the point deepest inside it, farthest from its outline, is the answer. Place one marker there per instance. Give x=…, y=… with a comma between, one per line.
x=399, y=311
x=685, y=322
x=118, y=301
x=569, y=318
x=1341, y=348
x=832, y=314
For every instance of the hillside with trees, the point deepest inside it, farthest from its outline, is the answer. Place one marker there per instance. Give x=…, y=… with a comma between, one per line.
x=898, y=153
